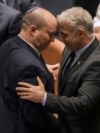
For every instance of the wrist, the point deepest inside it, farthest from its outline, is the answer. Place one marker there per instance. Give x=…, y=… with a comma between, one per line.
x=44, y=99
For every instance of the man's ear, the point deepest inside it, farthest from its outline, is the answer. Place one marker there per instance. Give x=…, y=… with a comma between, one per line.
x=33, y=29
x=81, y=32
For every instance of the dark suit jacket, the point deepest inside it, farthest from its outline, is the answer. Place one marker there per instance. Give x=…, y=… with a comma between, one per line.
x=19, y=62
x=89, y=5
x=10, y=22
x=79, y=104
x=22, y=5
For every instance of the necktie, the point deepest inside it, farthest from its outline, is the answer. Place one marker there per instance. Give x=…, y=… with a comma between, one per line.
x=68, y=64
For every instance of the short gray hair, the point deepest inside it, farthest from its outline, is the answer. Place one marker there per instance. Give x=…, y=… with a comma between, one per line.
x=77, y=17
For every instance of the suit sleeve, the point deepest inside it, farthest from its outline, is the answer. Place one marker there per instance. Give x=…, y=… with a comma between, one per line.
x=35, y=114
x=85, y=98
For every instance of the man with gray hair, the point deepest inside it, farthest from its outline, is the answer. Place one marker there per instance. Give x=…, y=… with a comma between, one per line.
x=78, y=102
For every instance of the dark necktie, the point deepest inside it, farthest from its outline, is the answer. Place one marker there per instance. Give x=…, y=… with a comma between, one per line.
x=68, y=65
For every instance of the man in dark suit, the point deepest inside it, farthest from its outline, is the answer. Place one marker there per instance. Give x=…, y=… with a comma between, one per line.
x=10, y=22
x=21, y=5
x=78, y=103
x=20, y=60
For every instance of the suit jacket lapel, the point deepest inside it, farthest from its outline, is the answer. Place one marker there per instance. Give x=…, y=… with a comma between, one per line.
x=77, y=64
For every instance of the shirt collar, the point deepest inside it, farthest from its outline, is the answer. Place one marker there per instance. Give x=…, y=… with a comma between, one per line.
x=80, y=51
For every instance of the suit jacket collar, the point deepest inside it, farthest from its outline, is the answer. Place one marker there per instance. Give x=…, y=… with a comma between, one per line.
x=27, y=46
x=77, y=64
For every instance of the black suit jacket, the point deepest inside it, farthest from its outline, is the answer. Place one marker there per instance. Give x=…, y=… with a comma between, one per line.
x=19, y=62
x=78, y=104
x=10, y=22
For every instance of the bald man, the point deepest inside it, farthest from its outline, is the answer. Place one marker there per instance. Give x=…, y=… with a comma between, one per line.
x=22, y=56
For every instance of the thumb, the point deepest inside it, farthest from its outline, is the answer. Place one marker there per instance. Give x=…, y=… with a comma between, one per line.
x=40, y=83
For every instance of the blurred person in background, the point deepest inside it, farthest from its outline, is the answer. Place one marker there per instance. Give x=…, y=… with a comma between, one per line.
x=21, y=5
x=10, y=22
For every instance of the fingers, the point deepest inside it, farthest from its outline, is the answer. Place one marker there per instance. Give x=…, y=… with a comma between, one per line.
x=30, y=92
x=26, y=87
x=39, y=81
x=22, y=94
x=22, y=89
x=24, y=84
